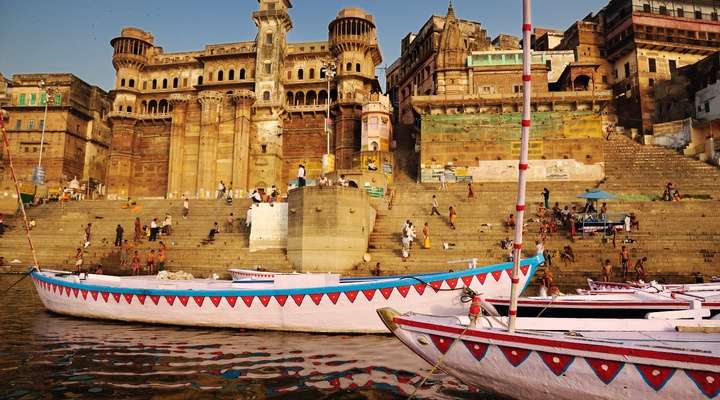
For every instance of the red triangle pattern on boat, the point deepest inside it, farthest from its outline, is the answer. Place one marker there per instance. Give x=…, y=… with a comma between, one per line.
x=76, y=291
x=54, y=287
x=606, y=370
x=403, y=290
x=351, y=295
x=497, y=275
x=316, y=297
x=265, y=300
x=707, y=382
x=155, y=299
x=656, y=377
x=281, y=299
x=514, y=355
x=141, y=298
x=509, y=272
x=420, y=288
x=67, y=291
x=524, y=269
x=170, y=299
x=215, y=300
x=116, y=296
x=199, y=300
x=105, y=296
x=247, y=300
x=84, y=293
x=94, y=295
x=436, y=285
x=333, y=297
x=386, y=292
x=298, y=298
x=452, y=282
x=467, y=280
x=128, y=297
x=558, y=363
x=369, y=294
x=442, y=343
x=481, y=278
x=184, y=300
x=478, y=350
x=231, y=300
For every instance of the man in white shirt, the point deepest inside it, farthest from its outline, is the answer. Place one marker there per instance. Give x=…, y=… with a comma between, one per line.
x=442, y=180
x=301, y=175
x=186, y=207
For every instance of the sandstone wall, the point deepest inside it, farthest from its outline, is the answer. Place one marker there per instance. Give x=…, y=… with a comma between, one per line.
x=328, y=228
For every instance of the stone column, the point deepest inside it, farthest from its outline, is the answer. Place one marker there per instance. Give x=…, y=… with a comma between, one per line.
x=177, y=141
x=211, y=102
x=244, y=100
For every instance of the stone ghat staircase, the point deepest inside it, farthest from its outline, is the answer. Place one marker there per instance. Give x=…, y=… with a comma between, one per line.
x=678, y=238
x=59, y=232
x=634, y=168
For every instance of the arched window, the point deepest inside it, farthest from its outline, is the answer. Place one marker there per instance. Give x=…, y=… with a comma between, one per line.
x=357, y=67
x=231, y=75
x=120, y=107
x=322, y=97
x=152, y=107
x=175, y=83
x=163, y=106
x=129, y=109
x=289, y=98
x=311, y=98
x=154, y=85
x=131, y=83
x=348, y=67
x=300, y=74
x=322, y=73
x=266, y=96
x=299, y=98
x=220, y=75
x=200, y=80
x=242, y=73
x=165, y=83
x=122, y=82
x=312, y=73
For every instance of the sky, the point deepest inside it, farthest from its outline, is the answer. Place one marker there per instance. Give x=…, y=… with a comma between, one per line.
x=74, y=35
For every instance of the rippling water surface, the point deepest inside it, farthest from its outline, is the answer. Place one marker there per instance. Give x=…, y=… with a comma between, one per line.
x=43, y=355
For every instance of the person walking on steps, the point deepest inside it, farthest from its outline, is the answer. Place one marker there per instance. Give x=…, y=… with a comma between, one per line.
x=452, y=217
x=119, y=235
x=434, y=206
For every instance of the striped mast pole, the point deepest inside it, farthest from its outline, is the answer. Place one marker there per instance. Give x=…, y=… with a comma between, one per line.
x=522, y=166
x=6, y=143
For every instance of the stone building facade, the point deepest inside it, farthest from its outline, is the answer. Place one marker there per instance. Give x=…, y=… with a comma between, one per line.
x=245, y=113
x=463, y=102
x=646, y=42
x=77, y=136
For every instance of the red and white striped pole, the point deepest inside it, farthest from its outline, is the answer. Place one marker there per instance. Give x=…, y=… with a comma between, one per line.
x=523, y=166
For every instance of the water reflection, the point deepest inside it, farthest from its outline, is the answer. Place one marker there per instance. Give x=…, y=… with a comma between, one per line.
x=43, y=355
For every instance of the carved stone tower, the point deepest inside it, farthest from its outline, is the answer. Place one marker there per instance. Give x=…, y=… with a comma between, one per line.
x=451, y=74
x=353, y=42
x=266, y=156
x=130, y=54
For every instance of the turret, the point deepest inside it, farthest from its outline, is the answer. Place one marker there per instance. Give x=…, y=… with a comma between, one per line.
x=353, y=42
x=130, y=55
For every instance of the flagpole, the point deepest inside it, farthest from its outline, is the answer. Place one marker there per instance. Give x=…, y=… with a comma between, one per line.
x=523, y=165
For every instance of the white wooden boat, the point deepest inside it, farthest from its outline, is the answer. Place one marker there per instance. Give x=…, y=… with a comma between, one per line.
x=626, y=303
x=603, y=287
x=570, y=358
x=293, y=302
x=665, y=357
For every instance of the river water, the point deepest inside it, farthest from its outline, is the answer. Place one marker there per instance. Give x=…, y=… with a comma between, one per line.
x=44, y=355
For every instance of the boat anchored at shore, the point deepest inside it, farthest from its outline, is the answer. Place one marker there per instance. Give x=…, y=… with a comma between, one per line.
x=293, y=302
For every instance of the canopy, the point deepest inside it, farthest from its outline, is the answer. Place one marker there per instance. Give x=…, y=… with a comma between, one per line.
x=597, y=194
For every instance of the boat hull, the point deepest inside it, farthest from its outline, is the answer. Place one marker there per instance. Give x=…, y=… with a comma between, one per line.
x=532, y=366
x=344, y=308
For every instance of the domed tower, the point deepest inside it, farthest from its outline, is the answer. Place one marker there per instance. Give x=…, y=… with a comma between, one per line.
x=129, y=58
x=353, y=43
